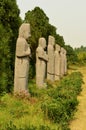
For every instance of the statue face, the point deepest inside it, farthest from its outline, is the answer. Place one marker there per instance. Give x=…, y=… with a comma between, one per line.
x=27, y=34
x=24, y=30
x=42, y=42
x=65, y=52
x=62, y=50
x=44, y=45
x=52, y=40
x=57, y=47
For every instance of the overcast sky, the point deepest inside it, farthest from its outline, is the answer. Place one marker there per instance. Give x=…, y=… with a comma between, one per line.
x=68, y=16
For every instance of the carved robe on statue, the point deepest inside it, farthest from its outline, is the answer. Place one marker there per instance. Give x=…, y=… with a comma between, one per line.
x=65, y=62
x=51, y=60
x=41, y=59
x=22, y=59
x=57, y=62
x=62, y=62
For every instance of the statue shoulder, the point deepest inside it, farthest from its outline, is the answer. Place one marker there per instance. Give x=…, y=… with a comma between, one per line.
x=39, y=49
x=21, y=40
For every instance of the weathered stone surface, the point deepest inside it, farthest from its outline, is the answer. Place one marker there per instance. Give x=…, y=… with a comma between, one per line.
x=51, y=56
x=62, y=61
x=65, y=62
x=22, y=59
x=41, y=59
x=57, y=62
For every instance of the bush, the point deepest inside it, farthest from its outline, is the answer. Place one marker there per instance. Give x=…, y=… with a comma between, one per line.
x=60, y=108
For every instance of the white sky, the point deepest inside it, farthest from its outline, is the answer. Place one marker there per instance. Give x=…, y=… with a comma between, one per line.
x=68, y=16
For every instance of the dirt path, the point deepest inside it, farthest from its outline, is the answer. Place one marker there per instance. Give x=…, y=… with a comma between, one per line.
x=80, y=116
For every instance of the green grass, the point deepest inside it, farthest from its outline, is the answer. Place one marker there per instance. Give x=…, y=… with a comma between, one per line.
x=45, y=109
x=22, y=113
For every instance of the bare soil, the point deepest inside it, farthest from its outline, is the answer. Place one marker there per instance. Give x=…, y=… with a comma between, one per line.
x=79, y=122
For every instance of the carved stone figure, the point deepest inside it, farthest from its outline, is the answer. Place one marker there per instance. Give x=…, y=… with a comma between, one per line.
x=65, y=62
x=22, y=59
x=57, y=62
x=51, y=61
x=41, y=59
x=62, y=61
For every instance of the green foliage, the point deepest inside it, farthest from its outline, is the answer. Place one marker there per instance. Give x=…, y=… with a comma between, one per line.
x=46, y=109
x=11, y=126
x=9, y=24
x=81, y=54
x=80, y=49
x=5, y=60
x=63, y=100
x=71, y=55
x=60, y=40
x=22, y=114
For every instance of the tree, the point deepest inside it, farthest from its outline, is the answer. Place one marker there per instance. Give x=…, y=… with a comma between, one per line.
x=71, y=55
x=9, y=24
x=60, y=40
x=81, y=54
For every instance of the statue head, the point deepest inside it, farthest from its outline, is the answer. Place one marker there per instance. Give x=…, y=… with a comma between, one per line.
x=58, y=48
x=62, y=50
x=24, y=30
x=65, y=52
x=42, y=42
x=51, y=40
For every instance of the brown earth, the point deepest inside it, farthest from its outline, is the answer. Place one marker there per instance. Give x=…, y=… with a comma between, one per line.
x=79, y=122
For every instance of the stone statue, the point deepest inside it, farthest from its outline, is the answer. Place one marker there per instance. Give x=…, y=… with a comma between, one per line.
x=65, y=62
x=51, y=60
x=22, y=59
x=57, y=62
x=41, y=59
x=62, y=61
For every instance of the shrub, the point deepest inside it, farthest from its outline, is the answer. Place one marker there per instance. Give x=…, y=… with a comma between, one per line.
x=62, y=105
